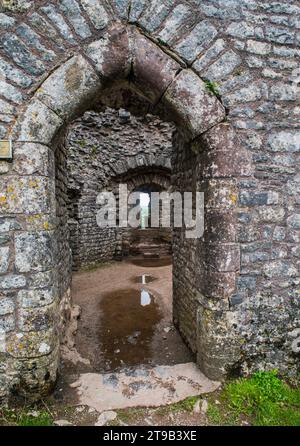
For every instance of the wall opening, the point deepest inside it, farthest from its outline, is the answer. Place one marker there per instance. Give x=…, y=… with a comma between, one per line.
x=206, y=156
x=122, y=277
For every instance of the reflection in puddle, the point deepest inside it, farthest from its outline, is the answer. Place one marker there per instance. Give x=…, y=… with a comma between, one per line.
x=128, y=321
x=145, y=298
x=155, y=263
x=143, y=279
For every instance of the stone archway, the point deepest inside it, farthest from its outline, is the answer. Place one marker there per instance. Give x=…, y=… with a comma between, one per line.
x=203, y=313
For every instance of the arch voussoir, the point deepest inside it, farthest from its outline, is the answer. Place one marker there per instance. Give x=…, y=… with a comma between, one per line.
x=193, y=108
x=70, y=88
x=153, y=70
x=38, y=123
x=111, y=55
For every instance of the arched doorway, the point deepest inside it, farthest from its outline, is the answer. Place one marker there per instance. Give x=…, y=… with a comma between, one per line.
x=206, y=268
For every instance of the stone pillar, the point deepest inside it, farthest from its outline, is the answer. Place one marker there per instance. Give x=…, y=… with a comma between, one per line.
x=29, y=338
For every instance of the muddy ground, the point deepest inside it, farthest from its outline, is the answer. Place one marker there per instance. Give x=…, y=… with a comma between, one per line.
x=124, y=320
x=125, y=323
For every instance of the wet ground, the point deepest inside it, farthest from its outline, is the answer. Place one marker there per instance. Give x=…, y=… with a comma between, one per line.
x=126, y=364
x=126, y=316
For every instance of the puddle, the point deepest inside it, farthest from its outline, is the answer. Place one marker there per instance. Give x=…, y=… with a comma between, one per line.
x=144, y=279
x=127, y=327
x=154, y=263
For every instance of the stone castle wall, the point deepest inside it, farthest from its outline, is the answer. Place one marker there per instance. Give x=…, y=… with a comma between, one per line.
x=245, y=54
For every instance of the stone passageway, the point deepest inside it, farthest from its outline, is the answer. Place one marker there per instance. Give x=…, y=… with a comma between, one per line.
x=125, y=322
x=126, y=351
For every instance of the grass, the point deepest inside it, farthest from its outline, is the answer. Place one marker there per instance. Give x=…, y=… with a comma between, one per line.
x=186, y=405
x=212, y=87
x=14, y=417
x=262, y=400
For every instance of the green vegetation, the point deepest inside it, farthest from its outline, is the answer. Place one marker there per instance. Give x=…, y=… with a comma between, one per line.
x=187, y=404
x=94, y=150
x=212, y=87
x=14, y=417
x=81, y=143
x=262, y=400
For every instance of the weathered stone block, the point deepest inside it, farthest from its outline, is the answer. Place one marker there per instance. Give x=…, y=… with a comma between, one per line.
x=28, y=195
x=31, y=125
x=37, y=319
x=122, y=7
x=219, y=227
x=190, y=46
x=257, y=47
x=272, y=214
x=7, y=306
x=153, y=70
x=4, y=259
x=9, y=224
x=203, y=61
x=111, y=54
x=220, y=194
x=17, y=5
x=30, y=158
x=218, y=348
x=224, y=66
x=280, y=268
x=294, y=221
x=16, y=50
x=31, y=344
x=59, y=22
x=11, y=73
x=10, y=92
x=72, y=11
x=96, y=12
x=32, y=40
x=191, y=105
x=155, y=13
x=7, y=323
x=12, y=281
x=279, y=35
x=6, y=21
x=44, y=279
x=136, y=9
x=219, y=285
x=176, y=19
x=258, y=198
x=284, y=141
x=34, y=251
x=37, y=297
x=223, y=257
x=225, y=164
x=71, y=88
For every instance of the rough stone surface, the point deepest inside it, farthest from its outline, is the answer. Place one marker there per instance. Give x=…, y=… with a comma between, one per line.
x=58, y=90
x=111, y=54
x=237, y=321
x=129, y=144
x=194, y=108
x=142, y=387
x=153, y=70
x=195, y=42
x=31, y=128
x=96, y=12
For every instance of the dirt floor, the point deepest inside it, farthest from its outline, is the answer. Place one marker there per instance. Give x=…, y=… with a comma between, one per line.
x=124, y=346
x=124, y=320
